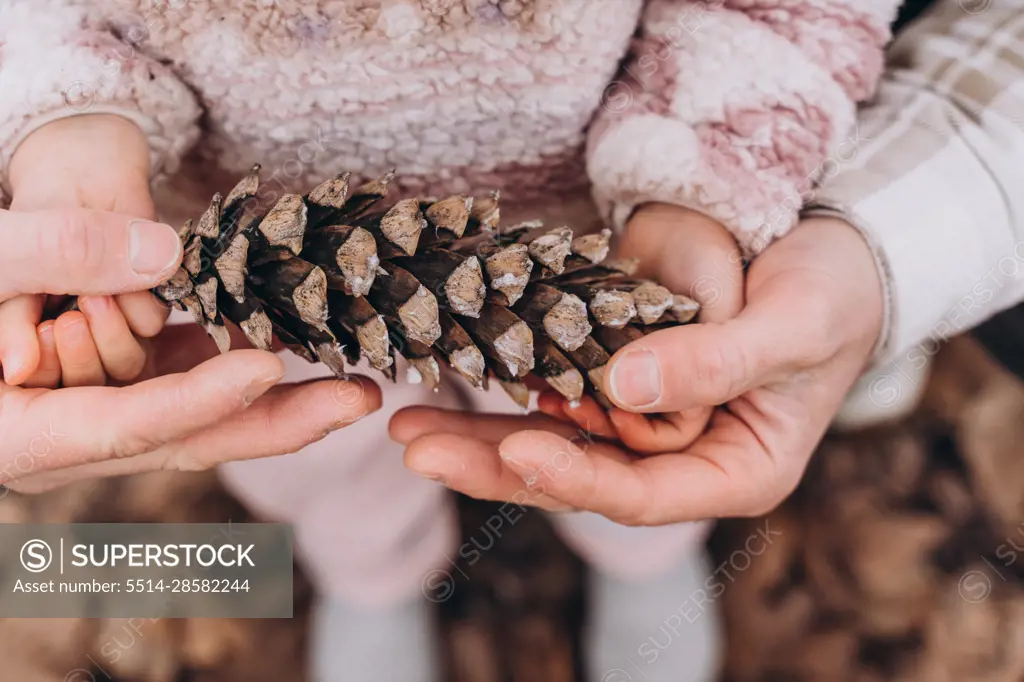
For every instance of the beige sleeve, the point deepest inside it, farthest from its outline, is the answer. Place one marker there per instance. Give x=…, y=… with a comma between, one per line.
x=935, y=176
x=59, y=58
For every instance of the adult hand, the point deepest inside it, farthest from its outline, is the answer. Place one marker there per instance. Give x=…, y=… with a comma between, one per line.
x=689, y=253
x=778, y=372
x=224, y=409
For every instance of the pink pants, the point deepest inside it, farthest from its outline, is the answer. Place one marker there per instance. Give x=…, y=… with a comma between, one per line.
x=369, y=531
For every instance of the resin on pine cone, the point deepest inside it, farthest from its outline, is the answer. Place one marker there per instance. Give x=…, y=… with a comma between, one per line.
x=336, y=278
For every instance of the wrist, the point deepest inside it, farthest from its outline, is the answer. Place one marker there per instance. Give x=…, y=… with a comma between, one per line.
x=95, y=149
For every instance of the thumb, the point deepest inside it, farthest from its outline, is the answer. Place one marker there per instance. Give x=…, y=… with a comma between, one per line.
x=82, y=251
x=709, y=364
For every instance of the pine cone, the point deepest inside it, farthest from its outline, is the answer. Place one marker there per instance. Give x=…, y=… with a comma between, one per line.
x=335, y=277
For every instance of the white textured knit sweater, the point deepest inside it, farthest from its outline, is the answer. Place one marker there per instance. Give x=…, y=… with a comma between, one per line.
x=727, y=106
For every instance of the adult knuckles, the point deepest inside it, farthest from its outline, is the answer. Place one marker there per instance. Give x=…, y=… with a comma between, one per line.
x=77, y=245
x=649, y=515
x=184, y=459
x=823, y=314
x=126, y=444
x=640, y=510
x=722, y=367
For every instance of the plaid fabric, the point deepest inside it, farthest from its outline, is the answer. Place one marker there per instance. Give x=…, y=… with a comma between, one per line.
x=934, y=174
x=910, y=11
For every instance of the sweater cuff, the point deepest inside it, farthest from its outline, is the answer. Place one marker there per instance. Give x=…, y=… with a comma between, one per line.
x=67, y=67
x=165, y=148
x=737, y=124
x=941, y=238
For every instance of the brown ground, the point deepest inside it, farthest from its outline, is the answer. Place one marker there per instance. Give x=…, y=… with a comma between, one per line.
x=894, y=562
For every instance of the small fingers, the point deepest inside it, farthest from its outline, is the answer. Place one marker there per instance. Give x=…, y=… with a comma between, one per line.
x=591, y=417
x=645, y=434
x=659, y=434
x=79, y=359
x=586, y=413
x=145, y=313
x=19, y=346
x=122, y=356
x=48, y=373
x=552, y=404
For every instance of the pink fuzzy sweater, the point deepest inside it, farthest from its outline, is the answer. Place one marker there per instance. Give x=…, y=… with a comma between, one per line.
x=730, y=107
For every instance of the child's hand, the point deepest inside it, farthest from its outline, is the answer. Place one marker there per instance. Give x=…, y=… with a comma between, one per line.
x=96, y=162
x=641, y=433
x=691, y=254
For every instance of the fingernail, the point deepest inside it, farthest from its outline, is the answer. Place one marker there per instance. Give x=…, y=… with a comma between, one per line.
x=517, y=466
x=94, y=304
x=348, y=420
x=424, y=466
x=70, y=320
x=46, y=334
x=13, y=366
x=636, y=379
x=433, y=477
x=257, y=388
x=153, y=248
